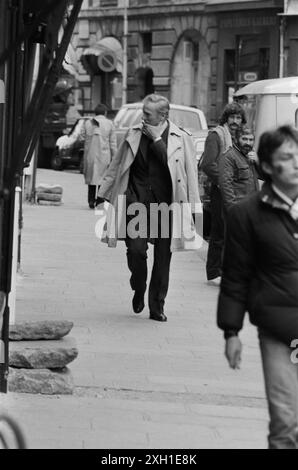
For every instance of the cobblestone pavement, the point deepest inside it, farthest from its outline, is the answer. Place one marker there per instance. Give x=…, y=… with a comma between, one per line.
x=139, y=383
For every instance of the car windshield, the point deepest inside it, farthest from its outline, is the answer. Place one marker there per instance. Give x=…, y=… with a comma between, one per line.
x=186, y=119
x=189, y=120
x=128, y=117
x=250, y=105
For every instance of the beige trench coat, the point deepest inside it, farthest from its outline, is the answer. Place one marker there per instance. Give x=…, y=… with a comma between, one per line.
x=100, y=148
x=183, y=170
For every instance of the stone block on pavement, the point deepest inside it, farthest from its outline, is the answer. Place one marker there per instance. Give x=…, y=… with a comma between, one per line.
x=49, y=188
x=38, y=330
x=41, y=202
x=48, y=197
x=42, y=354
x=44, y=381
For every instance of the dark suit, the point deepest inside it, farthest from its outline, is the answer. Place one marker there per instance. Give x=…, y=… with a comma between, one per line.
x=150, y=182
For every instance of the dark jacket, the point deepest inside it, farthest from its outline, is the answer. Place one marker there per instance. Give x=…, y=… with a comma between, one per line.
x=260, y=267
x=217, y=142
x=237, y=177
x=149, y=178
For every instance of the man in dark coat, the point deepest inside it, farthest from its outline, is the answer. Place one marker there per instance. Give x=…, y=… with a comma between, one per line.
x=218, y=141
x=260, y=275
x=238, y=175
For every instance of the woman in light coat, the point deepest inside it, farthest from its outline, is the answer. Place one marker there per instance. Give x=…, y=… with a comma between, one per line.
x=100, y=148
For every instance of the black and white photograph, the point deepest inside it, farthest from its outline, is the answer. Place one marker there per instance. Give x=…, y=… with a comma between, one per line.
x=149, y=229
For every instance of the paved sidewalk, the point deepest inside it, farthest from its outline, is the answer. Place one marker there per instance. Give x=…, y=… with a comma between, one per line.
x=139, y=383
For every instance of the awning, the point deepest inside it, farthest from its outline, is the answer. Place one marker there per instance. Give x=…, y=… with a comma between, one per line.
x=91, y=57
x=291, y=8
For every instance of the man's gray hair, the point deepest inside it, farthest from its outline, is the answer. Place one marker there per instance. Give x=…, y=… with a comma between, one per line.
x=162, y=101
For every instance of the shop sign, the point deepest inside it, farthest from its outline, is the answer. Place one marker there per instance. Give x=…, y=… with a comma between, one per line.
x=248, y=77
x=248, y=21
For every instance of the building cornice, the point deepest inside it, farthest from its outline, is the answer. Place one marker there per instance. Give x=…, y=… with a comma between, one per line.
x=137, y=11
x=178, y=9
x=233, y=6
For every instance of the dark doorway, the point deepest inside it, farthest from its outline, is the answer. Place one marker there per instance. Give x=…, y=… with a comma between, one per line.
x=144, y=82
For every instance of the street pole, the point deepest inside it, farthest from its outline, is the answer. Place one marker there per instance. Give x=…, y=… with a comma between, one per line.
x=282, y=40
x=14, y=261
x=237, y=61
x=124, y=67
x=20, y=136
x=13, y=119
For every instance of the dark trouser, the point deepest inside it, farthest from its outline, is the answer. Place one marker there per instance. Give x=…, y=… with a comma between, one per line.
x=137, y=264
x=281, y=384
x=92, y=191
x=216, y=242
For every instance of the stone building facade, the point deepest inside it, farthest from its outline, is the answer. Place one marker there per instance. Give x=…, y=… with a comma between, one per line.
x=194, y=52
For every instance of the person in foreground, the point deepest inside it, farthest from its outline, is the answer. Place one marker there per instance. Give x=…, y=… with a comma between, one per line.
x=154, y=167
x=260, y=275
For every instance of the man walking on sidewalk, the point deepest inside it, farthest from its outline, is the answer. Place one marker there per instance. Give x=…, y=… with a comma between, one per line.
x=260, y=275
x=154, y=167
x=218, y=141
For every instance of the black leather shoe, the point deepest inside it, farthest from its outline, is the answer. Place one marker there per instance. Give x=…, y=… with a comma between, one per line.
x=138, y=303
x=158, y=317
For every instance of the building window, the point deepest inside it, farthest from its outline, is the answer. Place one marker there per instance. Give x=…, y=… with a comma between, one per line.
x=147, y=42
x=108, y=3
x=195, y=51
x=187, y=50
x=230, y=65
x=249, y=61
x=83, y=29
x=264, y=63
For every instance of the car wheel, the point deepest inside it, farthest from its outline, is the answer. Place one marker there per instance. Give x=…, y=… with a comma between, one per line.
x=56, y=162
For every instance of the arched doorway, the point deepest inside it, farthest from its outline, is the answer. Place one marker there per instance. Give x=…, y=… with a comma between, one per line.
x=190, y=71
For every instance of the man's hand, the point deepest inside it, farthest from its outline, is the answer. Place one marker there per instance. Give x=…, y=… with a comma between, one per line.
x=100, y=200
x=153, y=132
x=252, y=156
x=233, y=352
x=99, y=203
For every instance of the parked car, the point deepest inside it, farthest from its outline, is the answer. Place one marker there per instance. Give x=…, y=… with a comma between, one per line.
x=69, y=150
x=187, y=117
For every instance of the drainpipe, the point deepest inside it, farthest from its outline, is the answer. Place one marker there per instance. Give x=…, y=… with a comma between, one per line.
x=124, y=67
x=281, y=46
x=14, y=262
x=237, y=61
x=282, y=25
